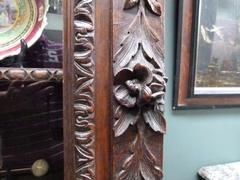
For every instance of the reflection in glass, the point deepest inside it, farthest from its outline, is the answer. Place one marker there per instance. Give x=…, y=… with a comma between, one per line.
x=47, y=51
x=218, y=47
x=31, y=126
x=31, y=115
x=55, y=6
x=8, y=14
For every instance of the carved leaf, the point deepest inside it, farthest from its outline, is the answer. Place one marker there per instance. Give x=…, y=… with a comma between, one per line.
x=154, y=6
x=151, y=49
x=139, y=66
x=155, y=119
x=130, y=4
x=123, y=96
x=140, y=164
x=124, y=118
x=84, y=6
x=128, y=49
x=148, y=167
x=85, y=155
x=142, y=41
x=83, y=26
x=148, y=172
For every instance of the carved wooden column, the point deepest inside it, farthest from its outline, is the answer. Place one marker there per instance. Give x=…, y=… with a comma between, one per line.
x=115, y=84
x=139, y=88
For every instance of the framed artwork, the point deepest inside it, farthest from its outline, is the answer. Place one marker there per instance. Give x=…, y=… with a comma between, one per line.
x=207, y=71
x=55, y=6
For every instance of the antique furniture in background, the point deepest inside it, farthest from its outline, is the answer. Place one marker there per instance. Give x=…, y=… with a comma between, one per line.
x=21, y=20
x=208, y=65
x=31, y=105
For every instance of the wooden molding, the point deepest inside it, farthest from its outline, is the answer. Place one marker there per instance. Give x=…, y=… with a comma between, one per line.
x=79, y=76
x=31, y=74
x=84, y=74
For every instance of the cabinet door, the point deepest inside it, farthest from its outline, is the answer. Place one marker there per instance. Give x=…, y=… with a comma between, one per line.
x=114, y=87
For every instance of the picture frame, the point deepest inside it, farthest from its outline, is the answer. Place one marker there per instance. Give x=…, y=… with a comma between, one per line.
x=207, y=67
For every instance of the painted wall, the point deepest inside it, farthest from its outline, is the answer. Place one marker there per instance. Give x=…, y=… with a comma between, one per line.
x=195, y=137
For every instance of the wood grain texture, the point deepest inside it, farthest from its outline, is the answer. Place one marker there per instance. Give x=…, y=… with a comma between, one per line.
x=103, y=85
x=139, y=89
x=68, y=86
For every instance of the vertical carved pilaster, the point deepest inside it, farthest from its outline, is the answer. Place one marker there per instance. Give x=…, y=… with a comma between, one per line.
x=84, y=68
x=139, y=90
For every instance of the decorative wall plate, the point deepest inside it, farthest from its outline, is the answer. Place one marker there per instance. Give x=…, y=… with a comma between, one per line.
x=20, y=19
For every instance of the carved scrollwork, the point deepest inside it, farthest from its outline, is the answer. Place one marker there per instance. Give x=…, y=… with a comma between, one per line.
x=84, y=68
x=139, y=90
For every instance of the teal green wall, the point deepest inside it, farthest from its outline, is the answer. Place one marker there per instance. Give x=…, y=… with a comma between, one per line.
x=195, y=137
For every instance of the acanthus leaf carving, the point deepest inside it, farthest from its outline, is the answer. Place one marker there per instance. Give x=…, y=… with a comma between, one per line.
x=141, y=41
x=141, y=162
x=153, y=5
x=140, y=82
x=139, y=90
x=130, y=4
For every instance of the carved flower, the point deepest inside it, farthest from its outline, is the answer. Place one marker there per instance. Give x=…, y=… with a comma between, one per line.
x=140, y=94
x=153, y=5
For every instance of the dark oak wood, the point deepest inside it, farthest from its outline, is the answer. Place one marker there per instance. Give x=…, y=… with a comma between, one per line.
x=103, y=85
x=80, y=92
x=84, y=89
x=114, y=87
x=182, y=99
x=139, y=88
x=68, y=81
x=100, y=36
x=87, y=112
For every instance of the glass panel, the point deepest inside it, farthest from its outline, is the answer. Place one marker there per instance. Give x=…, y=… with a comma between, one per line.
x=218, y=48
x=31, y=115
x=31, y=127
x=45, y=47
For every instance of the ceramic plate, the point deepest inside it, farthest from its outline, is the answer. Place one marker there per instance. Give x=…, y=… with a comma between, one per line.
x=20, y=19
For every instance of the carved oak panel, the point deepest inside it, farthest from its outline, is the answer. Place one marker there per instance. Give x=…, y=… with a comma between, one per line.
x=116, y=76
x=139, y=89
